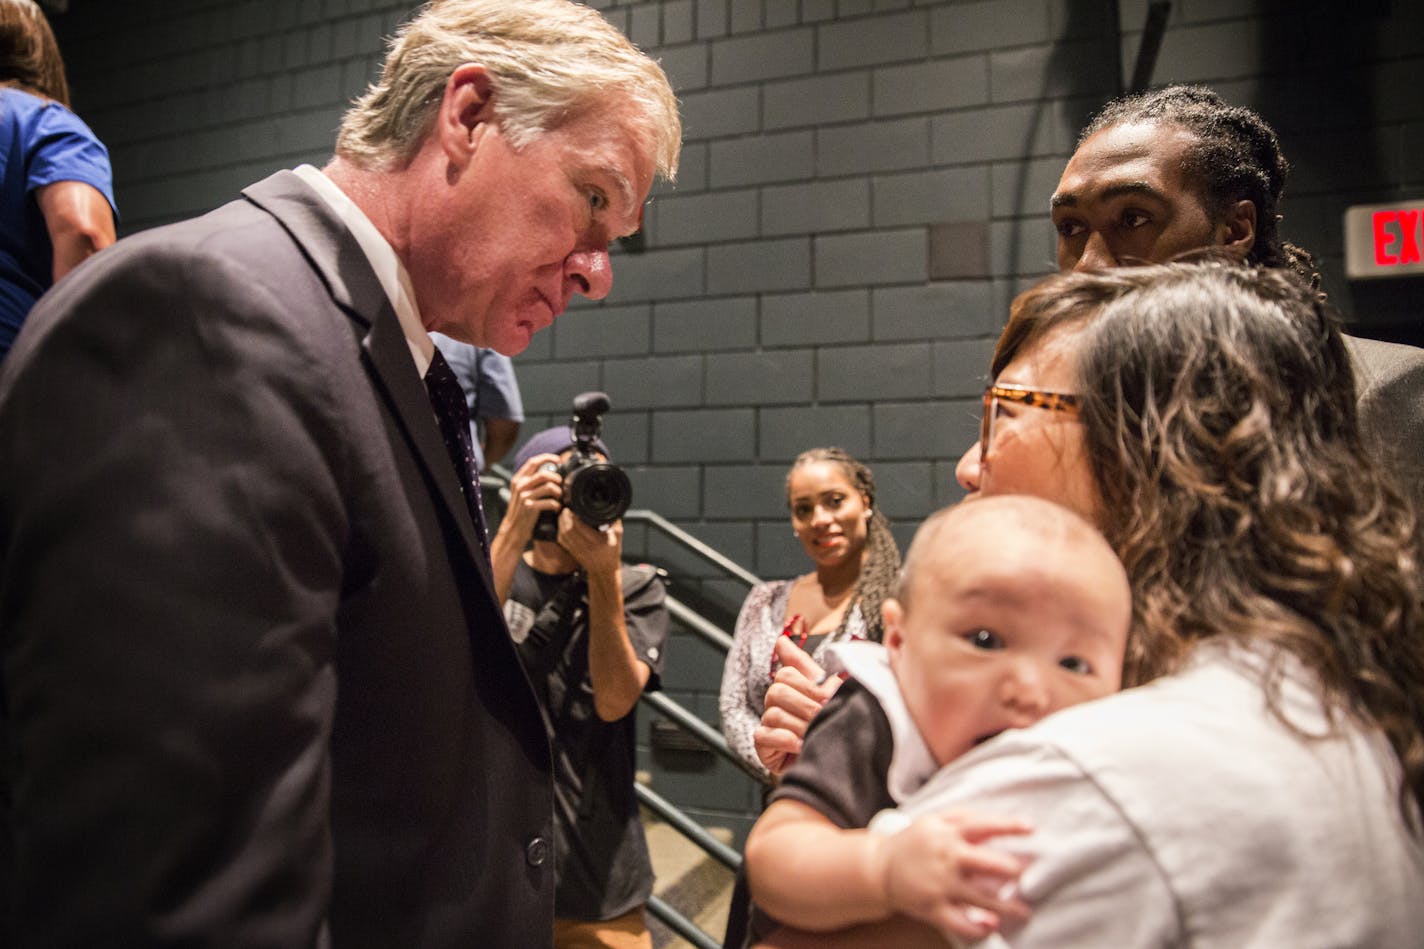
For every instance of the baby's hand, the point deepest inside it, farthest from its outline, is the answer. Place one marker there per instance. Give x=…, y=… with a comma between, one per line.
x=935, y=871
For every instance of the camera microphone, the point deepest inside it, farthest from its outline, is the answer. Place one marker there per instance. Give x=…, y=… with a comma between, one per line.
x=591, y=405
x=599, y=492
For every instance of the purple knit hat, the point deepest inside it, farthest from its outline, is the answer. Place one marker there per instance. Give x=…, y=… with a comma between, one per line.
x=553, y=441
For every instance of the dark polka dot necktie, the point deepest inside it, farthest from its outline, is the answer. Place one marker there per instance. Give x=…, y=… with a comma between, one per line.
x=448, y=400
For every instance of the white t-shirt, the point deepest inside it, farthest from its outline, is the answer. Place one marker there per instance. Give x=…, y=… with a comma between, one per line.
x=1185, y=813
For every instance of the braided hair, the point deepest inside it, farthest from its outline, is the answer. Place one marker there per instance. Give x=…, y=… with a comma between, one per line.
x=882, y=558
x=1236, y=157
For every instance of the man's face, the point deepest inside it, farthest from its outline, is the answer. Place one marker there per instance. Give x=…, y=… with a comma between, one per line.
x=498, y=253
x=1124, y=194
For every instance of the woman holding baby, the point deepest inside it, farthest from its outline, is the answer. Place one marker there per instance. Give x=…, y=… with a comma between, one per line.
x=1262, y=786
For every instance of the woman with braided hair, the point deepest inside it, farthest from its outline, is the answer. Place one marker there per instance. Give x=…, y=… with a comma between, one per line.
x=833, y=515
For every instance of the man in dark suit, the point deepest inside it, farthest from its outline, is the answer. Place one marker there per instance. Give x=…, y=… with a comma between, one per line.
x=257, y=688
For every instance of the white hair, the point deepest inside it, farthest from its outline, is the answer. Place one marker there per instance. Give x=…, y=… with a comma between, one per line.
x=548, y=60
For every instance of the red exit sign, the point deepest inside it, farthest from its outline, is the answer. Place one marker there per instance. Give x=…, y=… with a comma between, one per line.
x=1384, y=240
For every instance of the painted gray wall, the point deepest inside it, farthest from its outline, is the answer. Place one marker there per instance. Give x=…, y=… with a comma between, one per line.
x=864, y=186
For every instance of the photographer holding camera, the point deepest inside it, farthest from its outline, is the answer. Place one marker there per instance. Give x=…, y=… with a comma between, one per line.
x=591, y=632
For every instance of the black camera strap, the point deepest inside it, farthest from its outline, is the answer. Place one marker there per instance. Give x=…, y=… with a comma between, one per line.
x=555, y=620
x=552, y=635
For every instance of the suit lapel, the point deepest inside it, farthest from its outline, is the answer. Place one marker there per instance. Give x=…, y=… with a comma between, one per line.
x=354, y=287
x=388, y=355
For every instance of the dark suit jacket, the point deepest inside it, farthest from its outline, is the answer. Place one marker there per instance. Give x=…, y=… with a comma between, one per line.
x=1390, y=380
x=257, y=689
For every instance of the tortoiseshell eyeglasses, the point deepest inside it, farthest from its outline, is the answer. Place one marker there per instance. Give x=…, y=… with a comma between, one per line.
x=1019, y=395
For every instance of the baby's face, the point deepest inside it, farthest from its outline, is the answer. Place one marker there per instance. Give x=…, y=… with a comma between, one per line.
x=1000, y=638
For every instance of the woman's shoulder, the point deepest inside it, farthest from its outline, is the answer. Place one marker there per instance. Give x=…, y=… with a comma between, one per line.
x=769, y=591
x=1204, y=735
x=21, y=112
x=769, y=595
x=14, y=99
x=38, y=112
x=1187, y=777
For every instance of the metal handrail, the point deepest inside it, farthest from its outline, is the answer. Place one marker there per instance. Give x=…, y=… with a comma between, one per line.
x=710, y=553
x=680, y=924
x=700, y=730
x=689, y=828
x=706, y=630
x=497, y=477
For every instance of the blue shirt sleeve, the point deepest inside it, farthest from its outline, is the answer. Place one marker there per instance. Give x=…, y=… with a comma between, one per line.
x=498, y=389
x=64, y=149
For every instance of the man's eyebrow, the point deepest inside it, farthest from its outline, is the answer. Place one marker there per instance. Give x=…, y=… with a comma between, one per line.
x=1111, y=191
x=626, y=197
x=625, y=187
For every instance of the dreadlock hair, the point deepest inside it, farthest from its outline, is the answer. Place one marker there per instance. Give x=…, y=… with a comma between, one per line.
x=29, y=55
x=1236, y=157
x=881, y=567
x=1218, y=413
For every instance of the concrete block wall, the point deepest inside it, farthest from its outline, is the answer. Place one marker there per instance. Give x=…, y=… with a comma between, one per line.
x=864, y=186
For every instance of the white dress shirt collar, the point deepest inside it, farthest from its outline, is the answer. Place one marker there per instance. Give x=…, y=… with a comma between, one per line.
x=388, y=267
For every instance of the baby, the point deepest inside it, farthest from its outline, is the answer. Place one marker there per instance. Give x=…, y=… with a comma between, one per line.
x=1007, y=609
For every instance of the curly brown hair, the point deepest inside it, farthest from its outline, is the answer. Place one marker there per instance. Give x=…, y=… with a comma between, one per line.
x=1218, y=410
x=882, y=557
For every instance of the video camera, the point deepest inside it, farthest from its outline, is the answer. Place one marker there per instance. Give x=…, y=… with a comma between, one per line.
x=597, y=491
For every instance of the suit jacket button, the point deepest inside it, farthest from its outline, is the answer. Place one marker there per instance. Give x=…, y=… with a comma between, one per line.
x=536, y=851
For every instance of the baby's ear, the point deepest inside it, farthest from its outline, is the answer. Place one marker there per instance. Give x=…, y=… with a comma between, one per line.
x=893, y=615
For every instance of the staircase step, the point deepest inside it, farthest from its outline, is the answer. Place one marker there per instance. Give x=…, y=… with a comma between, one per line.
x=689, y=880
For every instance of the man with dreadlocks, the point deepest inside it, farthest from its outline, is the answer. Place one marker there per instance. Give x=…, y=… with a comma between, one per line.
x=1178, y=168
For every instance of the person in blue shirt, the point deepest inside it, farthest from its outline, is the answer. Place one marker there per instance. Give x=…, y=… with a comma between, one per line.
x=491, y=395
x=56, y=186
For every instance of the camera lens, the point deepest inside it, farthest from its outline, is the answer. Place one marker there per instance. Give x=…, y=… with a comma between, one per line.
x=598, y=492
